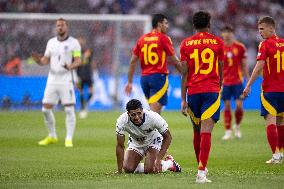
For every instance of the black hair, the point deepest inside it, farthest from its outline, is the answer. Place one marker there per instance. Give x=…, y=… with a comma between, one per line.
x=201, y=20
x=267, y=20
x=227, y=28
x=156, y=18
x=133, y=104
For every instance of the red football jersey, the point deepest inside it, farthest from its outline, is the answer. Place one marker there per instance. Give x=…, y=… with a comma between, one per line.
x=152, y=50
x=233, y=57
x=202, y=52
x=271, y=51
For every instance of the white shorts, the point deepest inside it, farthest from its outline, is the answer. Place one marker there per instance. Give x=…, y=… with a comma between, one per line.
x=155, y=144
x=55, y=92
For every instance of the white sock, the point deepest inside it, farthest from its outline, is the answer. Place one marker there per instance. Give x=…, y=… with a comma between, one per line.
x=49, y=121
x=139, y=168
x=70, y=122
x=166, y=165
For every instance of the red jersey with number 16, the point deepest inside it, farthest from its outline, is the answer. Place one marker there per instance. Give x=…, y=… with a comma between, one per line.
x=202, y=52
x=232, y=71
x=271, y=51
x=152, y=50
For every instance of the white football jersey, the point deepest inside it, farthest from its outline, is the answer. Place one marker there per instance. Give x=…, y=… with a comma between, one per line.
x=60, y=53
x=153, y=126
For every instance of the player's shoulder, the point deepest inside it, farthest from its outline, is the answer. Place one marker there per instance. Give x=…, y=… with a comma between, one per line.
x=73, y=39
x=149, y=114
x=239, y=44
x=52, y=40
x=123, y=118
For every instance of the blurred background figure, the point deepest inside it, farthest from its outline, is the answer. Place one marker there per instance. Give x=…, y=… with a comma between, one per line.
x=85, y=76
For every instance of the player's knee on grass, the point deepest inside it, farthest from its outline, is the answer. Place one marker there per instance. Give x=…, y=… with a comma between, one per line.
x=128, y=168
x=148, y=169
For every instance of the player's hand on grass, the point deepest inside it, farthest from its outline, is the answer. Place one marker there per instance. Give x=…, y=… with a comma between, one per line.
x=158, y=166
x=184, y=107
x=128, y=89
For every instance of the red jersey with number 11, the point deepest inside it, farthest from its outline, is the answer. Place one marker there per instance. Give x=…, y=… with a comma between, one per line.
x=152, y=50
x=202, y=52
x=271, y=51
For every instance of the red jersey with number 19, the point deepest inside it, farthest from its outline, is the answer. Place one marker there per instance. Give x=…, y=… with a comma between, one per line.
x=152, y=50
x=232, y=71
x=202, y=52
x=271, y=51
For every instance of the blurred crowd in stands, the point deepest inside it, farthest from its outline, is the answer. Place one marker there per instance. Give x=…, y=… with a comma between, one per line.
x=18, y=38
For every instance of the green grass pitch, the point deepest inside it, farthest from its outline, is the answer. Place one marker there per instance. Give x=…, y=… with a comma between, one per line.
x=92, y=161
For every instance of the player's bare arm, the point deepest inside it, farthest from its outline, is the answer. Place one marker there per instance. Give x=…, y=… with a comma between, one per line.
x=75, y=64
x=256, y=71
x=132, y=66
x=40, y=60
x=167, y=139
x=183, y=91
x=120, y=152
x=221, y=65
x=245, y=68
x=178, y=65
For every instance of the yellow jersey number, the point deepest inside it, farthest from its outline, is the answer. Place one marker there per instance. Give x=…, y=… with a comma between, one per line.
x=150, y=56
x=279, y=56
x=207, y=57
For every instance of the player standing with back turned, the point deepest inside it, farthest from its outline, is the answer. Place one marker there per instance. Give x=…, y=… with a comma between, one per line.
x=154, y=50
x=204, y=54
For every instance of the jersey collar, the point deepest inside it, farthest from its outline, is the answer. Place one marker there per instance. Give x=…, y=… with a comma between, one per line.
x=63, y=39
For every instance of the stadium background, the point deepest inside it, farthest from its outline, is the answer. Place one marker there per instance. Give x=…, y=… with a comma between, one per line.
x=22, y=81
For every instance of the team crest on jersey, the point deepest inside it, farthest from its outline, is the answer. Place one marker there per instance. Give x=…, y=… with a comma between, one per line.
x=66, y=48
x=235, y=51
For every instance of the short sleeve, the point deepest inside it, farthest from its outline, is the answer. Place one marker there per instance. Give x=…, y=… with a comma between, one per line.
x=181, y=51
x=136, y=49
x=160, y=124
x=76, y=52
x=168, y=45
x=261, y=55
x=244, y=52
x=221, y=51
x=120, y=125
x=47, y=52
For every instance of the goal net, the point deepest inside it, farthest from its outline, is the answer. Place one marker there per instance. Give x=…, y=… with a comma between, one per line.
x=110, y=36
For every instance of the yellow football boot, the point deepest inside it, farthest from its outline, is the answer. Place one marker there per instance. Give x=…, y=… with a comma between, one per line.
x=68, y=143
x=47, y=140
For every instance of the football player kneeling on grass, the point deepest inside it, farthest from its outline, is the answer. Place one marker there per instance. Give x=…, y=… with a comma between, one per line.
x=149, y=137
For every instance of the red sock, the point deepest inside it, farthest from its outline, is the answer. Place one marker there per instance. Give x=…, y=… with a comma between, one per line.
x=280, y=130
x=272, y=137
x=205, y=145
x=239, y=115
x=227, y=119
x=196, y=144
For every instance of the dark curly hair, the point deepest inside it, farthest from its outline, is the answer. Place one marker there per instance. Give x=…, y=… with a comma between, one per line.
x=133, y=105
x=201, y=20
x=156, y=18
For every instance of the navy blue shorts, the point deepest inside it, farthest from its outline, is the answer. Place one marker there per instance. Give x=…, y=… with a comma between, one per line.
x=155, y=88
x=230, y=91
x=272, y=103
x=202, y=106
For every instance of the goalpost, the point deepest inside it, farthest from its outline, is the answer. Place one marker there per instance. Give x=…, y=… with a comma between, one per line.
x=111, y=36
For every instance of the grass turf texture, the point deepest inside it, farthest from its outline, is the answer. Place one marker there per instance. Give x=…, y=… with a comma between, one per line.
x=92, y=162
